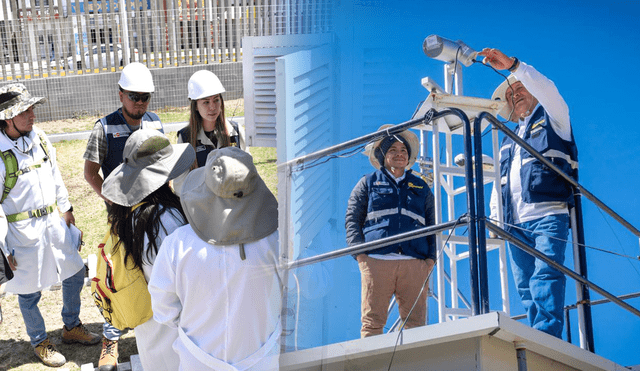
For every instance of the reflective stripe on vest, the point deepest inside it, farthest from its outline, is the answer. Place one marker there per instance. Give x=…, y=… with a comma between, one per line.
x=380, y=213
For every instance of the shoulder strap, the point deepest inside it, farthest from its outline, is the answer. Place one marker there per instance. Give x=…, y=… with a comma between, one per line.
x=43, y=144
x=11, y=167
x=11, y=172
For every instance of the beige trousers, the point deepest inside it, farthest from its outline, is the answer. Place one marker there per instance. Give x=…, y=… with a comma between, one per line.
x=383, y=278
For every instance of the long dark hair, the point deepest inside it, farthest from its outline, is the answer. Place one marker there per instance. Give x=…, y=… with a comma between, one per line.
x=131, y=226
x=195, y=124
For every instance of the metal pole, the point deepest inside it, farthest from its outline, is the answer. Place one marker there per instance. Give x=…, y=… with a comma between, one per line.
x=480, y=214
x=431, y=115
x=521, y=355
x=125, y=31
x=567, y=322
x=428, y=117
x=593, y=303
x=363, y=247
x=580, y=265
x=471, y=206
x=537, y=254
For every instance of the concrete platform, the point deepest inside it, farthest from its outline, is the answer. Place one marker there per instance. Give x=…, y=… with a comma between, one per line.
x=485, y=342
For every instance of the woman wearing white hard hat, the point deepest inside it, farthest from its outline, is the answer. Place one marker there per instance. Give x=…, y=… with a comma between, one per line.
x=208, y=128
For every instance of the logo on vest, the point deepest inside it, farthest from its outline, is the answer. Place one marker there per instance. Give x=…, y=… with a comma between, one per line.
x=411, y=185
x=118, y=134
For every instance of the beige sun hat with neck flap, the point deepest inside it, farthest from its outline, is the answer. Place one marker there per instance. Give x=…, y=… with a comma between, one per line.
x=150, y=160
x=411, y=140
x=226, y=201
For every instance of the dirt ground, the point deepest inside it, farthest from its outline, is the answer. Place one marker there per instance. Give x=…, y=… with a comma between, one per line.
x=17, y=354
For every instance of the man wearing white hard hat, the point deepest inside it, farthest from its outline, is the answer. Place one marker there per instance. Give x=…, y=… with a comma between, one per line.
x=392, y=200
x=208, y=128
x=104, y=152
x=216, y=280
x=38, y=245
x=535, y=199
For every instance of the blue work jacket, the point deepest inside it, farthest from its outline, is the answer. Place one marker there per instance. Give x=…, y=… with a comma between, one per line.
x=379, y=207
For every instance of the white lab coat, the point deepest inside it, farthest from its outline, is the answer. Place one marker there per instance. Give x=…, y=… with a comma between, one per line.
x=43, y=247
x=227, y=310
x=153, y=339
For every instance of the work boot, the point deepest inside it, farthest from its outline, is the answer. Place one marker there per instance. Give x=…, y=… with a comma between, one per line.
x=49, y=355
x=79, y=334
x=109, y=355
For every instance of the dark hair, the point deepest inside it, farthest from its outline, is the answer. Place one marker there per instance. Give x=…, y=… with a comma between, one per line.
x=132, y=225
x=195, y=124
x=3, y=124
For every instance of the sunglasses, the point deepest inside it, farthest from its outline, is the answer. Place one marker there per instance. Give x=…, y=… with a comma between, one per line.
x=135, y=97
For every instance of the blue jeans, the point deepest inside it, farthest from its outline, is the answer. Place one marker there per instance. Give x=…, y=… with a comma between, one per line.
x=33, y=320
x=541, y=287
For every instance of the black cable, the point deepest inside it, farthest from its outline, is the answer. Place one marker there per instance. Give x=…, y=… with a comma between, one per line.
x=619, y=242
x=322, y=160
x=422, y=289
x=565, y=241
x=506, y=78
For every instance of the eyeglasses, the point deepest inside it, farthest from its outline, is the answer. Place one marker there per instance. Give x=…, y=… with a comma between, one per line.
x=136, y=97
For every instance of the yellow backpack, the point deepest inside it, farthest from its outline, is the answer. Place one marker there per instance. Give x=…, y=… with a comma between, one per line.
x=120, y=290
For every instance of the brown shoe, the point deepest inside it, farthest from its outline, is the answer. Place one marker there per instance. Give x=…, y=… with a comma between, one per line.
x=49, y=355
x=109, y=355
x=79, y=334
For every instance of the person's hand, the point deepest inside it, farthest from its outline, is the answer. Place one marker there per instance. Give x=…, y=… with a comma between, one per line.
x=496, y=58
x=68, y=218
x=360, y=257
x=13, y=263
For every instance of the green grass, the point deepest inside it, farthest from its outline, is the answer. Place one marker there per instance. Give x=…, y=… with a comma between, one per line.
x=173, y=114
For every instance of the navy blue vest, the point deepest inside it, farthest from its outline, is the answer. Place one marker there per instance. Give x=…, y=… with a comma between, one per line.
x=539, y=183
x=117, y=131
x=397, y=208
x=202, y=150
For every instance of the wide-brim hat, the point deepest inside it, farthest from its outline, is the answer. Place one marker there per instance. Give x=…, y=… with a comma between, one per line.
x=500, y=94
x=408, y=136
x=150, y=160
x=15, y=99
x=226, y=201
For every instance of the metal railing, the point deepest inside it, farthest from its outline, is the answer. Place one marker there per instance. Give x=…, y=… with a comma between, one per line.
x=476, y=220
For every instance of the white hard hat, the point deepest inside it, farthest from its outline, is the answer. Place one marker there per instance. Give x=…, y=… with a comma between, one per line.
x=136, y=77
x=204, y=84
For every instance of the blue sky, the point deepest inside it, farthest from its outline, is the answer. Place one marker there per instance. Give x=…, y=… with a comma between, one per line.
x=589, y=49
